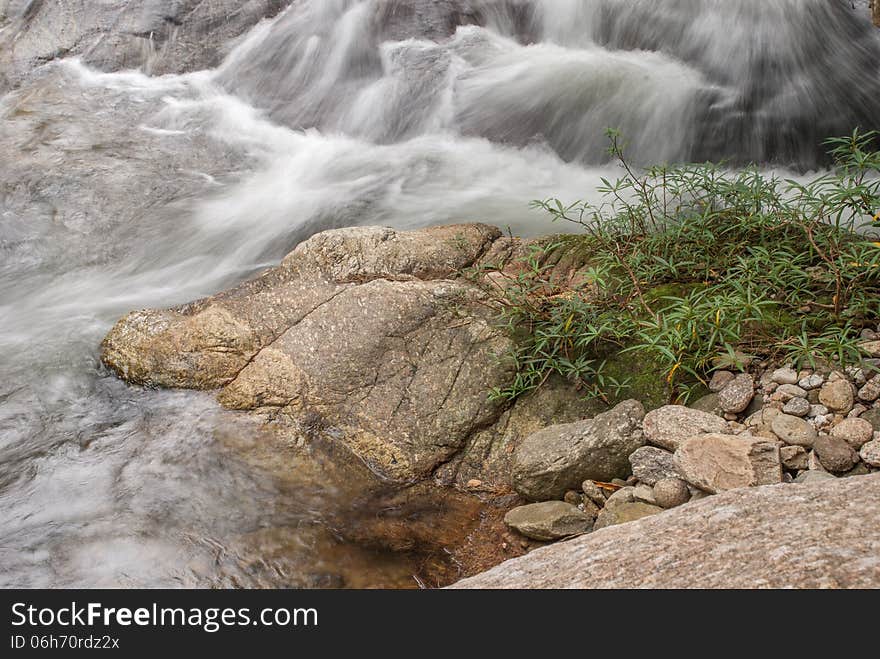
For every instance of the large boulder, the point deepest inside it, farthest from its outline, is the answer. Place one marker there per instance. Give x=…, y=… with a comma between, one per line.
x=822, y=535
x=562, y=457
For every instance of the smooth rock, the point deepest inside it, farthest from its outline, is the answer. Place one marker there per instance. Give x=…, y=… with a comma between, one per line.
x=651, y=464
x=708, y=404
x=814, y=477
x=669, y=425
x=737, y=395
x=784, y=376
x=835, y=454
x=560, y=458
x=837, y=396
x=811, y=382
x=855, y=432
x=621, y=496
x=715, y=462
x=671, y=492
x=871, y=390
x=788, y=391
x=822, y=535
x=870, y=453
x=793, y=430
x=625, y=513
x=818, y=410
x=872, y=416
x=645, y=494
x=549, y=520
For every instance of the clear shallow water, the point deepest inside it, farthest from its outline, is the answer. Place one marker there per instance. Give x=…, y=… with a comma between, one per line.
x=119, y=191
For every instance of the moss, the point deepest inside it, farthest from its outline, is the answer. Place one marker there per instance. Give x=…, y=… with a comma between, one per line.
x=647, y=379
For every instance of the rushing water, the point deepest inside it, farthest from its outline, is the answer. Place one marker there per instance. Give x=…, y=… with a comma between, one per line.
x=121, y=191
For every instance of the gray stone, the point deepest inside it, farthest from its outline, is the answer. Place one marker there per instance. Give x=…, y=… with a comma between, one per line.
x=737, y=395
x=835, y=454
x=870, y=453
x=715, y=463
x=671, y=492
x=708, y=404
x=550, y=520
x=560, y=458
x=818, y=410
x=645, y=494
x=855, y=432
x=811, y=382
x=837, y=396
x=625, y=513
x=861, y=469
x=669, y=425
x=621, y=496
x=822, y=535
x=797, y=407
x=871, y=390
x=594, y=493
x=720, y=379
x=872, y=416
x=651, y=464
x=784, y=376
x=808, y=477
x=793, y=430
x=794, y=458
x=788, y=391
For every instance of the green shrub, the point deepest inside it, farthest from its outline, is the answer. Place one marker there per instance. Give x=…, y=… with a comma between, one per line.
x=691, y=267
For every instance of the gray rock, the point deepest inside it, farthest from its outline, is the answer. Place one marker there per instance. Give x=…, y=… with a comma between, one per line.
x=837, y=396
x=811, y=382
x=814, y=477
x=818, y=410
x=560, y=458
x=784, y=376
x=835, y=454
x=788, y=391
x=871, y=390
x=645, y=494
x=671, y=492
x=737, y=395
x=822, y=535
x=872, y=416
x=625, y=513
x=549, y=520
x=794, y=458
x=671, y=424
x=870, y=453
x=855, y=432
x=720, y=379
x=793, y=430
x=861, y=469
x=715, y=463
x=651, y=464
x=621, y=496
x=708, y=404
x=797, y=407
x=594, y=493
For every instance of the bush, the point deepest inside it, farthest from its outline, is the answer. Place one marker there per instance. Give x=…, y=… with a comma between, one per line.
x=696, y=267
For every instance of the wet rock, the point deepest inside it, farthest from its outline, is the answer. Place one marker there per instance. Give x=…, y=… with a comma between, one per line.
x=855, y=432
x=737, y=395
x=669, y=425
x=625, y=513
x=793, y=430
x=561, y=457
x=834, y=524
x=835, y=454
x=794, y=458
x=797, y=407
x=651, y=464
x=837, y=396
x=549, y=520
x=870, y=453
x=671, y=492
x=715, y=462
